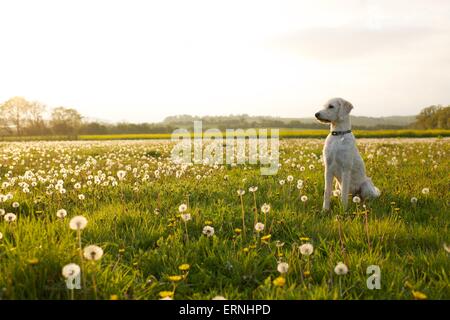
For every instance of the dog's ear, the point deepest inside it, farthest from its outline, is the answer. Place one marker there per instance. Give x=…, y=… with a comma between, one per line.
x=345, y=109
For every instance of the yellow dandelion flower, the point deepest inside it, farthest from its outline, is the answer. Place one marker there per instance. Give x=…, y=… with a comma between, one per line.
x=238, y=231
x=245, y=250
x=175, y=278
x=33, y=261
x=121, y=250
x=304, y=239
x=266, y=237
x=166, y=294
x=419, y=295
x=306, y=274
x=114, y=297
x=279, y=282
x=184, y=267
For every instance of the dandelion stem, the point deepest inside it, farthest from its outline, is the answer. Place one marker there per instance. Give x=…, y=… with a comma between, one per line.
x=256, y=208
x=81, y=258
x=366, y=222
x=341, y=239
x=243, y=216
x=185, y=227
x=94, y=284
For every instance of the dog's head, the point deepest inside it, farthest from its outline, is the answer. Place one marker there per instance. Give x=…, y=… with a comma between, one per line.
x=334, y=111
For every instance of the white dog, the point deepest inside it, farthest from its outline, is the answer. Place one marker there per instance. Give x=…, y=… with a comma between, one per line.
x=341, y=157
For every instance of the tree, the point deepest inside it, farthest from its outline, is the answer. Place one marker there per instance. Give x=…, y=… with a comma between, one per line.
x=35, y=121
x=433, y=117
x=15, y=112
x=65, y=121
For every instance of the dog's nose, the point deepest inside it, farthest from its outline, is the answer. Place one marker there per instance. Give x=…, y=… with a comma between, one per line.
x=317, y=114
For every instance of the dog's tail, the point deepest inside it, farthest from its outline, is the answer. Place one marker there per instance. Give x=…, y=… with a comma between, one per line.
x=368, y=190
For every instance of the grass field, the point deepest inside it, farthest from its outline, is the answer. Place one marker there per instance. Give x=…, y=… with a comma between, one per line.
x=130, y=194
x=284, y=133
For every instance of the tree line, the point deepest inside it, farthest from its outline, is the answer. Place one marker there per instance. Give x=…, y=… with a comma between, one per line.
x=433, y=117
x=21, y=117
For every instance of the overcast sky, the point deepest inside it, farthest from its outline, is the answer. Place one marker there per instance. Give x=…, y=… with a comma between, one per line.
x=145, y=60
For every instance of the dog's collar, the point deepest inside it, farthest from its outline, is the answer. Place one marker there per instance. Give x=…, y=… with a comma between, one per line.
x=340, y=133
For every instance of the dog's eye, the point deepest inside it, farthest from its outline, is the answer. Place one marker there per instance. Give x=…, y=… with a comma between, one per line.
x=330, y=106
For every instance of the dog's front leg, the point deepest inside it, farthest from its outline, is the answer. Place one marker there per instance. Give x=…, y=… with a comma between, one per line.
x=345, y=186
x=327, y=190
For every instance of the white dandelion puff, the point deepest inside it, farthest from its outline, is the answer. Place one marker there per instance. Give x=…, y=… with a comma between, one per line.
x=259, y=227
x=61, y=213
x=283, y=267
x=341, y=269
x=71, y=270
x=121, y=174
x=93, y=252
x=185, y=217
x=208, y=231
x=265, y=208
x=10, y=217
x=78, y=223
x=306, y=249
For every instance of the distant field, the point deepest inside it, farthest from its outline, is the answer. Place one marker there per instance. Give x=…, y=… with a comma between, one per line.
x=284, y=133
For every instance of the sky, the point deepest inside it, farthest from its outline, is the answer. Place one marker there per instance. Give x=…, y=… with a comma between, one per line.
x=138, y=61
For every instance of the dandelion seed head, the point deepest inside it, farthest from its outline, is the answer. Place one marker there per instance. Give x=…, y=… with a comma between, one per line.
x=259, y=227
x=78, y=223
x=341, y=269
x=208, y=231
x=10, y=217
x=121, y=174
x=265, y=208
x=186, y=217
x=71, y=270
x=282, y=267
x=61, y=213
x=93, y=252
x=306, y=249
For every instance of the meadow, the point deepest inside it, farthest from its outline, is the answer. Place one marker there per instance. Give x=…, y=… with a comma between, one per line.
x=153, y=229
